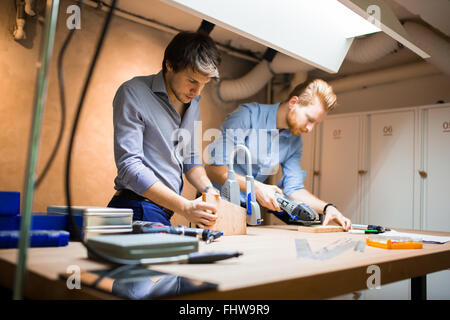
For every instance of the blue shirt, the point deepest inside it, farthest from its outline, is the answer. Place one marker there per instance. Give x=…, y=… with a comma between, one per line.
x=254, y=125
x=147, y=131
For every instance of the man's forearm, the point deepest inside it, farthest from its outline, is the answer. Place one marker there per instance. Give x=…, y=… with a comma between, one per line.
x=305, y=196
x=198, y=178
x=165, y=197
x=318, y=205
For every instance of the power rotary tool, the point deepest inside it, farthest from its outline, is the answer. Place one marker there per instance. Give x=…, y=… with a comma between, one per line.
x=296, y=212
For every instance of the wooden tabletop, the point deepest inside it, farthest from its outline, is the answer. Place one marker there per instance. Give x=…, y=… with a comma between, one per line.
x=268, y=269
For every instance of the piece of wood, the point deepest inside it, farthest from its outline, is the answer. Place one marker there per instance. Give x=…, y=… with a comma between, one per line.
x=320, y=229
x=231, y=219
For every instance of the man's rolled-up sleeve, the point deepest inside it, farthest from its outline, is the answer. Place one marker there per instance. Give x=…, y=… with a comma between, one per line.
x=293, y=176
x=128, y=142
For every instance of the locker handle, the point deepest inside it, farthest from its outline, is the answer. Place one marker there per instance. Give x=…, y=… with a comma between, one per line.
x=423, y=174
x=362, y=172
x=316, y=173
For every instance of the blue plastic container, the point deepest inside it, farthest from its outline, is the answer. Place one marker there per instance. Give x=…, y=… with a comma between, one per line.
x=9, y=203
x=38, y=238
x=39, y=221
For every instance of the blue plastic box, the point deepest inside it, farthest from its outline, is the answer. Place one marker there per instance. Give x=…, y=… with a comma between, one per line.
x=39, y=221
x=9, y=203
x=38, y=238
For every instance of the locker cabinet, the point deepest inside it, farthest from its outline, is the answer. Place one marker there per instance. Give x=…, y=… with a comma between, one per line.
x=339, y=164
x=391, y=166
x=307, y=161
x=436, y=194
x=396, y=165
x=436, y=162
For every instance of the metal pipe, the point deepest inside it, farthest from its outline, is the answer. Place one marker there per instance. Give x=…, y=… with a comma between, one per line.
x=249, y=157
x=167, y=28
x=40, y=96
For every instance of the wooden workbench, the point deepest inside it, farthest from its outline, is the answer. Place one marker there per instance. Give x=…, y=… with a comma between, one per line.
x=268, y=269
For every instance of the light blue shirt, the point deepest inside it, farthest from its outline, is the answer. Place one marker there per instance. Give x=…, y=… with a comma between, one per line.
x=254, y=125
x=147, y=131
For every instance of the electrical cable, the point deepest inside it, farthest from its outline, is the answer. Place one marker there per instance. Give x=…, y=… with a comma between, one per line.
x=124, y=264
x=113, y=272
x=74, y=227
x=63, y=106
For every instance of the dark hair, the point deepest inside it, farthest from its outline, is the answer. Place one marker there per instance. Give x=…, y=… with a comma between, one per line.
x=194, y=50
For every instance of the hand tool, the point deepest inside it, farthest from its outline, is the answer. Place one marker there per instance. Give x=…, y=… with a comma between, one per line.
x=380, y=229
x=296, y=212
x=368, y=231
x=156, y=227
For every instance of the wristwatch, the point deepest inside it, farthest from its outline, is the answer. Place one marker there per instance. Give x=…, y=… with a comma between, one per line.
x=326, y=206
x=209, y=187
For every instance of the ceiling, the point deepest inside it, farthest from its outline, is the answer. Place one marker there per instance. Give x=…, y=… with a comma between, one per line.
x=431, y=15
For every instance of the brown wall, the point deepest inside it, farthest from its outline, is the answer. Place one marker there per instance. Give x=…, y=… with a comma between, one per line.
x=131, y=49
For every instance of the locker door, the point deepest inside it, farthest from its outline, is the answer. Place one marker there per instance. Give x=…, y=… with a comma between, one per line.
x=436, y=188
x=307, y=161
x=339, y=164
x=390, y=184
x=437, y=168
x=391, y=169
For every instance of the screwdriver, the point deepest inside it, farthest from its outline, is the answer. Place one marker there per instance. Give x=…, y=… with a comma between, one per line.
x=156, y=227
x=380, y=229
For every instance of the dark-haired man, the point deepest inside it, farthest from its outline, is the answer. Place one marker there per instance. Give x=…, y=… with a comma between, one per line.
x=148, y=111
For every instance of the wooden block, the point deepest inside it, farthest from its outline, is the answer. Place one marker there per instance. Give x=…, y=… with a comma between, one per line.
x=320, y=229
x=231, y=219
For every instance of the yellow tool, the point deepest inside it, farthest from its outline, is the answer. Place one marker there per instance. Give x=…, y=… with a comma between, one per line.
x=390, y=244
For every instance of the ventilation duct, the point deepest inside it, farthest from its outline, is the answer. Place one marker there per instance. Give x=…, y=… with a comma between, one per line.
x=389, y=75
x=435, y=45
x=371, y=48
x=257, y=78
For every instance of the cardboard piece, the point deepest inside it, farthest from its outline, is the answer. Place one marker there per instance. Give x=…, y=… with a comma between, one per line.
x=320, y=229
x=231, y=219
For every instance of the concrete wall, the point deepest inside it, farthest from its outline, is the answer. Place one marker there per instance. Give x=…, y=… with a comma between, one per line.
x=131, y=49
x=407, y=93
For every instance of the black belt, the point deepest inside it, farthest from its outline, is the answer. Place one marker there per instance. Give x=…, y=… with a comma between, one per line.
x=125, y=193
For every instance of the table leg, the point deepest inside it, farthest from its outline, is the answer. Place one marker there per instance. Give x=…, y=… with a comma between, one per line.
x=419, y=288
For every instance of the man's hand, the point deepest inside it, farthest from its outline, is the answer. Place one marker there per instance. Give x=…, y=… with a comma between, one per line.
x=334, y=214
x=200, y=213
x=265, y=195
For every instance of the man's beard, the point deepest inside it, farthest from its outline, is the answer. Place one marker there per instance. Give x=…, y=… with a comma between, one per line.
x=295, y=130
x=177, y=95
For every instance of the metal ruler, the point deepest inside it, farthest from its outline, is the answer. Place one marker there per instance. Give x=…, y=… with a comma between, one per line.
x=329, y=251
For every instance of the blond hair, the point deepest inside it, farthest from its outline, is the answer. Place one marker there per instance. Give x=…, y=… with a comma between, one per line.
x=307, y=91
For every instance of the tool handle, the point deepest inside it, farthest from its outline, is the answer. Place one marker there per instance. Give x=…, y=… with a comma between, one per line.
x=210, y=257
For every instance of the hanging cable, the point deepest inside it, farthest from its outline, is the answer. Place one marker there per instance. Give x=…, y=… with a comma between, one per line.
x=62, y=101
x=74, y=227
